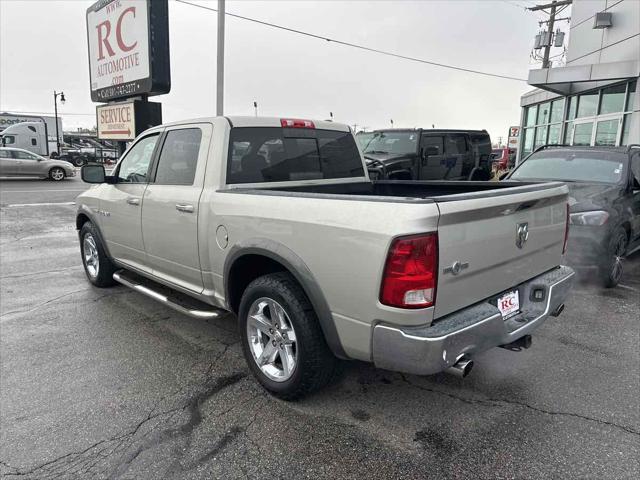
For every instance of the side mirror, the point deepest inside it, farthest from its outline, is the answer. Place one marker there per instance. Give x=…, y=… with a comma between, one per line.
x=93, y=174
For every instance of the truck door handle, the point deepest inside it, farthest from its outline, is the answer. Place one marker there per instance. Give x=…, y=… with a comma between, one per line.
x=184, y=208
x=133, y=201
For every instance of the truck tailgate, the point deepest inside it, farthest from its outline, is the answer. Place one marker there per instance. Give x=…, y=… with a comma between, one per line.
x=479, y=234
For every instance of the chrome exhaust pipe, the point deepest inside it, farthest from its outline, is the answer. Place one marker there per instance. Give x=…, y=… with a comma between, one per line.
x=461, y=368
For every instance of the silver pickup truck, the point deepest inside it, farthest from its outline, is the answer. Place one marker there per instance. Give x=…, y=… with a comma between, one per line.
x=277, y=221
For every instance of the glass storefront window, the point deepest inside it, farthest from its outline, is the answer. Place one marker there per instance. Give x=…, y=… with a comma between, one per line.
x=625, y=130
x=613, y=99
x=528, y=140
x=587, y=105
x=607, y=133
x=573, y=103
x=632, y=95
x=544, y=112
x=554, y=134
x=557, y=110
x=541, y=136
x=532, y=113
x=568, y=133
x=582, y=133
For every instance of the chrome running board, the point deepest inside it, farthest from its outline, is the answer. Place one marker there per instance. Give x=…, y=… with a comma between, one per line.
x=176, y=300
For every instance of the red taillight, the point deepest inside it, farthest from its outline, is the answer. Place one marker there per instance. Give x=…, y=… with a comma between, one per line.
x=566, y=232
x=296, y=123
x=411, y=272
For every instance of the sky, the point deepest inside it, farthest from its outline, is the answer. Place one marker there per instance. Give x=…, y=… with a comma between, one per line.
x=43, y=47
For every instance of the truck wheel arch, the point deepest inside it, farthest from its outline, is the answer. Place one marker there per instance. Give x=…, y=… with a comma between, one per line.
x=84, y=216
x=258, y=257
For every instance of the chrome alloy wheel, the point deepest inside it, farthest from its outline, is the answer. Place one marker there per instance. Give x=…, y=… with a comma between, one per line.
x=91, y=259
x=272, y=339
x=57, y=174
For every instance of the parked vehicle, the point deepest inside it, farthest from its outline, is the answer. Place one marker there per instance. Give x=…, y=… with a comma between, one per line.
x=49, y=124
x=83, y=149
x=428, y=154
x=31, y=136
x=17, y=162
x=277, y=221
x=503, y=158
x=604, y=197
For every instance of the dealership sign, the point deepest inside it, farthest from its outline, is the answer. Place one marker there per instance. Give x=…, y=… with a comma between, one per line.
x=126, y=120
x=128, y=48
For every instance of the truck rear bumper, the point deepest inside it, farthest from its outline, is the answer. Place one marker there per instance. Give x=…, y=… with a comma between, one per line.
x=431, y=349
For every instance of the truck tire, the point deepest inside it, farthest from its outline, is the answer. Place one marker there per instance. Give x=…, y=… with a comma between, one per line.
x=97, y=265
x=79, y=161
x=57, y=174
x=611, y=270
x=282, y=341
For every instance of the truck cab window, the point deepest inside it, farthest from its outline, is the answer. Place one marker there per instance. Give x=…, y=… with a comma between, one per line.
x=34, y=142
x=456, y=144
x=134, y=167
x=267, y=154
x=8, y=140
x=179, y=157
x=432, y=145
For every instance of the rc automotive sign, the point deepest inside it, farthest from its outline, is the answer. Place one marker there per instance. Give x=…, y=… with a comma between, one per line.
x=116, y=121
x=128, y=48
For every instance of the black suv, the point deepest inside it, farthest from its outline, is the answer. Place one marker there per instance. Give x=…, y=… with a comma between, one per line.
x=604, y=201
x=427, y=154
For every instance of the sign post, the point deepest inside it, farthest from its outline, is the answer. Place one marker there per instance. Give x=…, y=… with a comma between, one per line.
x=128, y=61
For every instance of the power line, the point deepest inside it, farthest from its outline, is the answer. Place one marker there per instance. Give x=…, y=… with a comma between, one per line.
x=51, y=113
x=354, y=45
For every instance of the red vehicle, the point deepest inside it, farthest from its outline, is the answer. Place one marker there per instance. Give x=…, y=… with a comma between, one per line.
x=502, y=158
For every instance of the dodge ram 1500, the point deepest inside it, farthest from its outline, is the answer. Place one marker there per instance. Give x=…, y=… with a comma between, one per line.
x=277, y=221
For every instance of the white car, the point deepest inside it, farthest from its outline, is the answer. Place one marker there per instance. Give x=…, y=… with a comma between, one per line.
x=16, y=162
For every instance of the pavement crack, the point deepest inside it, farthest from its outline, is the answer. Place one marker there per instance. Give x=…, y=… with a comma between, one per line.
x=47, y=465
x=40, y=305
x=186, y=429
x=33, y=274
x=499, y=402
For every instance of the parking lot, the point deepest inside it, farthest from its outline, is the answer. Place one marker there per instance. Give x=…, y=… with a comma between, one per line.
x=110, y=384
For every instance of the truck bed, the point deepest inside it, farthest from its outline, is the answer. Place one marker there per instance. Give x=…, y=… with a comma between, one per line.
x=477, y=224
x=405, y=190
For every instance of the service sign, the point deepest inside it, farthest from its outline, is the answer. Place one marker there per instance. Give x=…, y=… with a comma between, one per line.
x=116, y=121
x=128, y=48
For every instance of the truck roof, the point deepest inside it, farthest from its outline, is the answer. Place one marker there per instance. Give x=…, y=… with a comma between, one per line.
x=248, y=121
x=433, y=130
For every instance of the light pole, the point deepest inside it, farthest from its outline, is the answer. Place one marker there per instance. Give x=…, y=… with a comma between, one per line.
x=220, y=72
x=392, y=123
x=55, y=109
x=255, y=108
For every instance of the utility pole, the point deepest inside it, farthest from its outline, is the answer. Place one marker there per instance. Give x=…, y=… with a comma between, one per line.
x=552, y=18
x=255, y=108
x=220, y=73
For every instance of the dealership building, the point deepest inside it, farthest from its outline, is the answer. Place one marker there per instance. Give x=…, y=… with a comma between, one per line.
x=595, y=98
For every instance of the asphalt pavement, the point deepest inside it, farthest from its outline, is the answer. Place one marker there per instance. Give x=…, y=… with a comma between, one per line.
x=106, y=383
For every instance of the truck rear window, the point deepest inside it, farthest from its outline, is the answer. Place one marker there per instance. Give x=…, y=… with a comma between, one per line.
x=271, y=154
